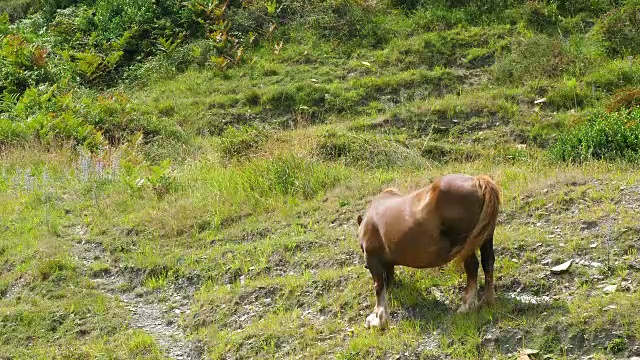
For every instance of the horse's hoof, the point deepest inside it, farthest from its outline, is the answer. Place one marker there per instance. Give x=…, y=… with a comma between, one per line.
x=488, y=301
x=468, y=306
x=378, y=319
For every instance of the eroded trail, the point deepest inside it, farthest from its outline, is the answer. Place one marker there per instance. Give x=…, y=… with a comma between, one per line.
x=154, y=317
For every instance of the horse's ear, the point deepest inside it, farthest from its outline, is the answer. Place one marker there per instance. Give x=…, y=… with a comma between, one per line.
x=359, y=220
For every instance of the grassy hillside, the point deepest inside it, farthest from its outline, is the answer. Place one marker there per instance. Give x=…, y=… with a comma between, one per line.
x=182, y=179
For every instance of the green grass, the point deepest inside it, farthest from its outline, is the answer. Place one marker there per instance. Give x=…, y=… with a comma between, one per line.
x=287, y=278
x=223, y=198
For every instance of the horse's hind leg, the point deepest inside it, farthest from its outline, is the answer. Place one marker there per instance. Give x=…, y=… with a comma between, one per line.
x=470, y=298
x=488, y=258
x=379, y=318
x=389, y=274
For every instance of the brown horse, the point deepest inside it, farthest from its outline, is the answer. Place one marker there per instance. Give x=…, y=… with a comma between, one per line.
x=449, y=219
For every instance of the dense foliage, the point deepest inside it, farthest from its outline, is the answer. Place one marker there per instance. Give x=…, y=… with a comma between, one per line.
x=606, y=136
x=64, y=63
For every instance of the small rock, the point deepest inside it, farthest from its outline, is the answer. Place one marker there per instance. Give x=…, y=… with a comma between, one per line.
x=609, y=307
x=594, y=245
x=610, y=289
x=562, y=268
x=540, y=101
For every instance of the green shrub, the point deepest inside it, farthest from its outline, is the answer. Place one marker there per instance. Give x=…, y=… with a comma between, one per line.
x=484, y=10
x=48, y=114
x=620, y=29
x=59, y=114
x=608, y=136
x=437, y=17
x=16, y=9
x=12, y=132
x=543, y=131
x=617, y=345
x=22, y=64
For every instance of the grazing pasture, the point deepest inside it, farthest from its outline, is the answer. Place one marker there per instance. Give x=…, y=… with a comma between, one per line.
x=183, y=179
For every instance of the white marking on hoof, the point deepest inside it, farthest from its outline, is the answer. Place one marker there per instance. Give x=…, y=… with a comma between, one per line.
x=378, y=319
x=372, y=321
x=470, y=305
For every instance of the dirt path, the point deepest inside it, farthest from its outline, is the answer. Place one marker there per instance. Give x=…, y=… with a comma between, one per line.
x=153, y=317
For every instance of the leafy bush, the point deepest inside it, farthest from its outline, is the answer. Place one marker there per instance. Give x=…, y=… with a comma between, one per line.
x=617, y=345
x=22, y=64
x=608, y=136
x=48, y=114
x=55, y=114
x=620, y=29
x=16, y=9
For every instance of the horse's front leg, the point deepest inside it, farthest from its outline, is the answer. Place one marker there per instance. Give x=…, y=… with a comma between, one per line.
x=380, y=316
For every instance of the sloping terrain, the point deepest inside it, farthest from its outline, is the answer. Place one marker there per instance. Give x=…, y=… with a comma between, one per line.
x=208, y=211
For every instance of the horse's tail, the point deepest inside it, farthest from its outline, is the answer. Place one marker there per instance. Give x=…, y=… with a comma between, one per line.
x=488, y=217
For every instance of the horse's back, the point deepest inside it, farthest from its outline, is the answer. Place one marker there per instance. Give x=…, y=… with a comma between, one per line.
x=458, y=205
x=457, y=195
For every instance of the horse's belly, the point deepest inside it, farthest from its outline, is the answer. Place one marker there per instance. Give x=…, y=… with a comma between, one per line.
x=420, y=253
